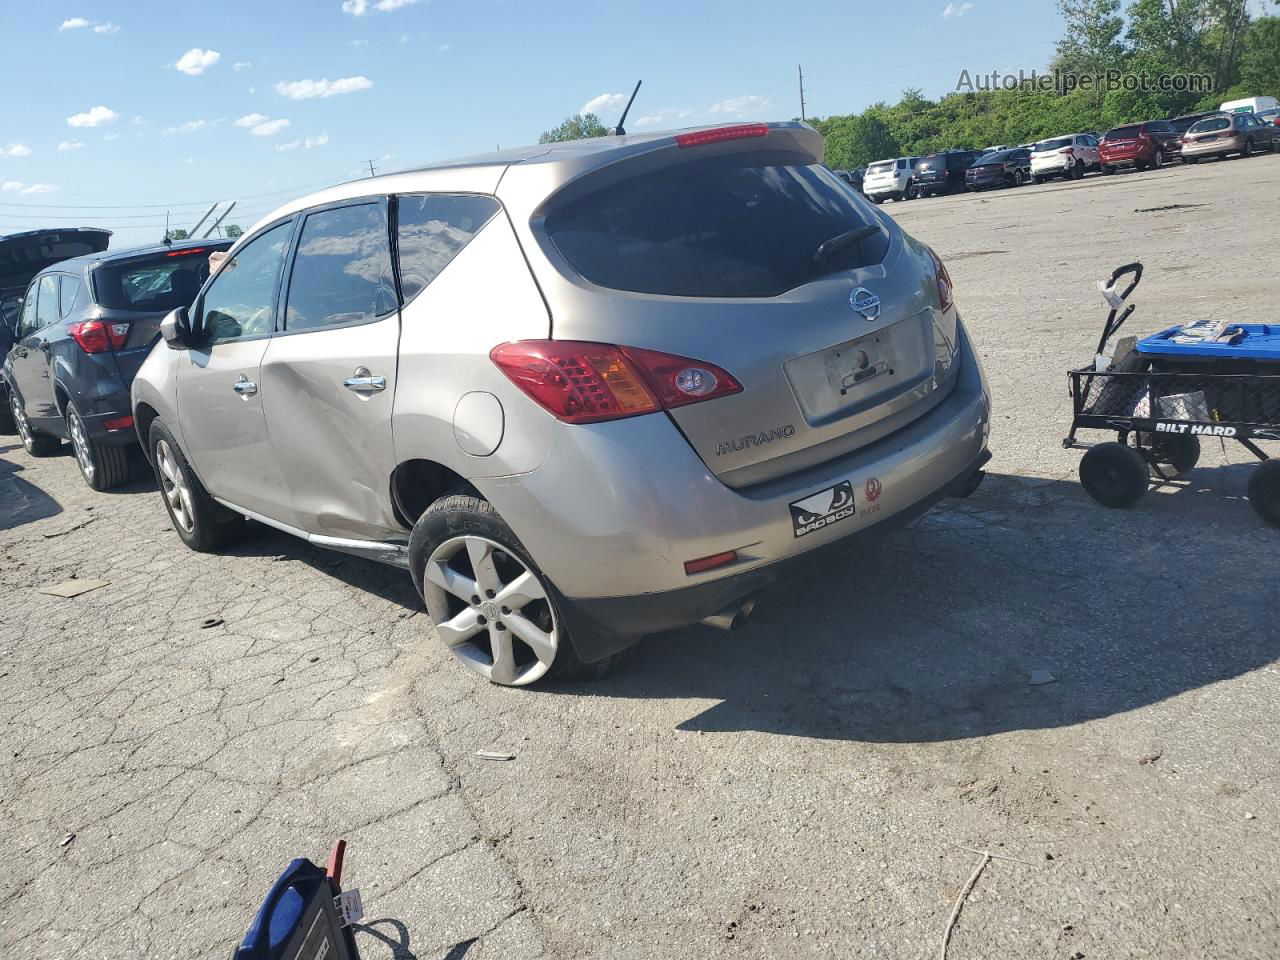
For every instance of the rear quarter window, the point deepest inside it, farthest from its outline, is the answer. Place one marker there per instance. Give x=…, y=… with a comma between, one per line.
x=743, y=225
x=432, y=229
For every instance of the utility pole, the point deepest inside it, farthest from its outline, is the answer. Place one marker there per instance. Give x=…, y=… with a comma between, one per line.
x=217, y=223
x=800, y=70
x=372, y=172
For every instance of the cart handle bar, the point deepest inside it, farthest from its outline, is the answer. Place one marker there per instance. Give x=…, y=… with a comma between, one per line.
x=1114, y=323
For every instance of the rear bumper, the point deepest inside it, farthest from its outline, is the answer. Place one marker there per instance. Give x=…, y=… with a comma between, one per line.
x=1047, y=168
x=618, y=508
x=1213, y=147
x=1127, y=158
x=882, y=189
x=987, y=181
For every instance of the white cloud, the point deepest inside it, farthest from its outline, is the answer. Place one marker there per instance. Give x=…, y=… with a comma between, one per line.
x=191, y=126
x=74, y=23
x=357, y=8
x=11, y=186
x=663, y=116
x=956, y=10
x=250, y=120
x=15, y=150
x=291, y=145
x=196, y=61
x=241, y=65
x=741, y=106
x=269, y=128
x=308, y=89
x=107, y=28
x=93, y=117
x=606, y=103
x=386, y=6
x=307, y=144
x=66, y=145
x=39, y=188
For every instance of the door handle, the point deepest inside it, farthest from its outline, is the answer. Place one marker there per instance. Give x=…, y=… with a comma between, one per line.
x=245, y=387
x=364, y=382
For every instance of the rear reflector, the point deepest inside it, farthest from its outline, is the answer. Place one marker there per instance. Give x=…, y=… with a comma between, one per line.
x=703, y=564
x=94, y=336
x=580, y=382
x=119, y=423
x=741, y=131
x=191, y=252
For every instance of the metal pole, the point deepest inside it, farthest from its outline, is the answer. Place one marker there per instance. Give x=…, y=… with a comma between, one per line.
x=196, y=228
x=219, y=220
x=800, y=70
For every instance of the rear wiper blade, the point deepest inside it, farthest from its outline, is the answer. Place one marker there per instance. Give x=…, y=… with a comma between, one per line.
x=829, y=248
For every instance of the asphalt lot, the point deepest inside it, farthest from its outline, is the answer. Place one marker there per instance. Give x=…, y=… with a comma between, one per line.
x=805, y=787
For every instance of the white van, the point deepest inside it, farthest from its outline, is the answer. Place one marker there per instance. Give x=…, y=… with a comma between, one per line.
x=1250, y=105
x=886, y=179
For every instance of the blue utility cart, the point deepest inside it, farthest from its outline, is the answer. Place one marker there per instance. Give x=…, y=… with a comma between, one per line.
x=1160, y=395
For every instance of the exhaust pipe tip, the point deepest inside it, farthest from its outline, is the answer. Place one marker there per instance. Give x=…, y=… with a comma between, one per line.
x=732, y=616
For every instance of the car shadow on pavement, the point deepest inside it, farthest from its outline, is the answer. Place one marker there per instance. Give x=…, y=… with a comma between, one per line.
x=22, y=502
x=933, y=633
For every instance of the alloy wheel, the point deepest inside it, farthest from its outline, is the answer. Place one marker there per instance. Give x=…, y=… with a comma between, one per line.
x=174, y=486
x=20, y=421
x=80, y=443
x=491, y=610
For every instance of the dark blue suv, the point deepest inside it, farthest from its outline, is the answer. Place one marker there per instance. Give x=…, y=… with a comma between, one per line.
x=85, y=326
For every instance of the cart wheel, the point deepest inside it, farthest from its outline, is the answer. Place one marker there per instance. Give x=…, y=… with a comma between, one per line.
x=1264, y=490
x=1114, y=474
x=1178, y=451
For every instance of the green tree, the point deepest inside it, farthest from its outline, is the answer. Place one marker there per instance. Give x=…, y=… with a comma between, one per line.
x=234, y=230
x=178, y=234
x=1091, y=44
x=1260, y=61
x=578, y=127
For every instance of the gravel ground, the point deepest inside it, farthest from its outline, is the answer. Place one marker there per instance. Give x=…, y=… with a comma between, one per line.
x=806, y=787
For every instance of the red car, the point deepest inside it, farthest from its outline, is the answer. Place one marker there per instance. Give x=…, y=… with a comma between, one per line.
x=1142, y=145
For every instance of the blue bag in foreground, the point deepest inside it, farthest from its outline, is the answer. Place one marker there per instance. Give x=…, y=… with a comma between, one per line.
x=305, y=916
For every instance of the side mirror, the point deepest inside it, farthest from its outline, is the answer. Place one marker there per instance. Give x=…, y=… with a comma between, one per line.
x=175, y=328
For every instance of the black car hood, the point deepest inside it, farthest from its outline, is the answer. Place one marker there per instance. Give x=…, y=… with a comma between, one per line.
x=23, y=255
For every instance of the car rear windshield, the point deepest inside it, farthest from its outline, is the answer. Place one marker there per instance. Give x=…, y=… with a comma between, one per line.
x=1123, y=133
x=935, y=161
x=1046, y=145
x=1212, y=123
x=156, y=283
x=744, y=225
x=999, y=156
x=883, y=167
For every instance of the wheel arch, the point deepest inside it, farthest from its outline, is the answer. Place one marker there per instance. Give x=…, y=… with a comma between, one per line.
x=418, y=483
x=143, y=416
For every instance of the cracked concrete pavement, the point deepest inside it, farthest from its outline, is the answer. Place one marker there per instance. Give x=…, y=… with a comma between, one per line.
x=806, y=787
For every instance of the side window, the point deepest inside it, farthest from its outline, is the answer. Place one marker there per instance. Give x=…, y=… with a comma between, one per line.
x=47, y=301
x=239, y=302
x=27, y=325
x=432, y=230
x=342, y=270
x=67, y=298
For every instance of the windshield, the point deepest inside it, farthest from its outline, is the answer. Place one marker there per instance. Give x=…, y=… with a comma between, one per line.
x=156, y=283
x=1210, y=124
x=744, y=225
x=1045, y=146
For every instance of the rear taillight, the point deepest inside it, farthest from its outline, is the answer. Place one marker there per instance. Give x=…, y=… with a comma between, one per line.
x=188, y=252
x=118, y=423
x=581, y=382
x=94, y=336
x=741, y=131
x=946, y=290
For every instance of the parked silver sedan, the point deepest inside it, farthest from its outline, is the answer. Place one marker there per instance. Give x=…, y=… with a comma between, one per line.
x=1219, y=136
x=583, y=392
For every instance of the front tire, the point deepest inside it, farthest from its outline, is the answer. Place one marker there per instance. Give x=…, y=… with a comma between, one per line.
x=1264, y=490
x=102, y=466
x=498, y=614
x=33, y=441
x=203, y=524
x=1108, y=170
x=1248, y=149
x=7, y=426
x=1114, y=474
x=1017, y=178
x=1159, y=160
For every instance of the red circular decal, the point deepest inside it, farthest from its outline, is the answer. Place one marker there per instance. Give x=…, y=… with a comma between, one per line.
x=872, y=489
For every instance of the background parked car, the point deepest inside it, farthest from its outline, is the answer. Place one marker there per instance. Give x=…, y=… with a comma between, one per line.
x=944, y=172
x=1005, y=168
x=22, y=256
x=890, y=179
x=1271, y=116
x=1219, y=136
x=86, y=325
x=1250, y=105
x=1140, y=145
x=1069, y=157
x=1184, y=123
x=852, y=177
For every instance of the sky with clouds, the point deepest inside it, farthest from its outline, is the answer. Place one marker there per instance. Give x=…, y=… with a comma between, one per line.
x=121, y=110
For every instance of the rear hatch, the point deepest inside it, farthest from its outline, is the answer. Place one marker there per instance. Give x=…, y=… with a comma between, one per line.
x=23, y=255
x=714, y=256
x=1121, y=140
x=881, y=176
x=932, y=169
x=134, y=293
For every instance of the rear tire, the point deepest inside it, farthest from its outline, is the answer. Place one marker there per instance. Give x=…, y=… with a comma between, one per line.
x=1247, y=151
x=102, y=466
x=1190, y=159
x=877, y=200
x=7, y=426
x=1114, y=474
x=1037, y=179
x=33, y=441
x=1077, y=171
x=1159, y=160
x=203, y=524
x=1017, y=178
x=1174, y=453
x=1264, y=490
x=465, y=559
x=1108, y=170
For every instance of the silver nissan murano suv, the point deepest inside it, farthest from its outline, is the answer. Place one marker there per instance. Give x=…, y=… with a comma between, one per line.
x=582, y=391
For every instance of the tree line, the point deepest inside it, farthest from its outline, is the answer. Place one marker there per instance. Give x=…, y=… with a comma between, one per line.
x=1237, y=55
